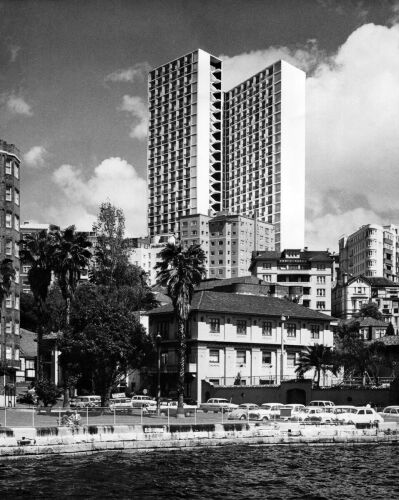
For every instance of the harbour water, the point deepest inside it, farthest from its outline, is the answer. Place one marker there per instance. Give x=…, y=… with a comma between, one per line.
x=234, y=472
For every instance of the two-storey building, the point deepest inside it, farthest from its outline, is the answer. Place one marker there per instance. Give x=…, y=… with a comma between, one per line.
x=238, y=338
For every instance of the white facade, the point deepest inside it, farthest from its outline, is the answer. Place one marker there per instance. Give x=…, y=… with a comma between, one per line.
x=146, y=256
x=370, y=251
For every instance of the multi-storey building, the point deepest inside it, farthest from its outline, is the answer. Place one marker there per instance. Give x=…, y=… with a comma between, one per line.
x=228, y=241
x=184, y=141
x=351, y=293
x=10, y=165
x=237, y=335
x=308, y=274
x=372, y=250
x=144, y=252
x=264, y=150
x=242, y=151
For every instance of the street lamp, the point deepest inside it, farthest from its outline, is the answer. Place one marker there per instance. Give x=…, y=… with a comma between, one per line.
x=158, y=340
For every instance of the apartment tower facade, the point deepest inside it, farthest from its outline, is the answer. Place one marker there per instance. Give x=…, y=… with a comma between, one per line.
x=241, y=151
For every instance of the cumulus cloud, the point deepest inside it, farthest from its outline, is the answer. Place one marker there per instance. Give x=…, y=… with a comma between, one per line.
x=36, y=156
x=352, y=137
x=137, y=108
x=18, y=106
x=136, y=72
x=114, y=180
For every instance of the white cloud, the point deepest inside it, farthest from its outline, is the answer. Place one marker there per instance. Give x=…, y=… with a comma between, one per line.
x=135, y=106
x=352, y=137
x=36, y=156
x=18, y=105
x=114, y=180
x=135, y=72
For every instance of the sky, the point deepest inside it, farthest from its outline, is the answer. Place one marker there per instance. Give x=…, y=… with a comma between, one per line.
x=73, y=98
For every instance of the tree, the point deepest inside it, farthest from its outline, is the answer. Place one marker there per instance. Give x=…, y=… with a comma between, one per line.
x=180, y=270
x=319, y=358
x=70, y=256
x=7, y=275
x=390, y=329
x=46, y=392
x=37, y=250
x=104, y=337
x=370, y=310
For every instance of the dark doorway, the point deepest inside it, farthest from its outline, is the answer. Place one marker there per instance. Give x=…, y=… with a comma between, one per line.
x=297, y=396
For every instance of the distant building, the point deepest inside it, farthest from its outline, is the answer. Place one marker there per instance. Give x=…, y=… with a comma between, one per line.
x=351, y=293
x=234, y=334
x=144, y=252
x=307, y=274
x=10, y=171
x=228, y=241
x=370, y=251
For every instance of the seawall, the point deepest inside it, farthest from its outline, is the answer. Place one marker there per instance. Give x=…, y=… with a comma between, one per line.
x=19, y=441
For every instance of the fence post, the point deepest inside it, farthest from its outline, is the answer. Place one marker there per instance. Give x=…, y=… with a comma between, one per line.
x=87, y=416
x=168, y=420
x=141, y=414
x=5, y=414
x=114, y=416
x=33, y=417
x=222, y=414
x=59, y=417
x=195, y=416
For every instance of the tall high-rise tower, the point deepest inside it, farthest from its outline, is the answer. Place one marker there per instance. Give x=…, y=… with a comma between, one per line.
x=184, y=141
x=242, y=151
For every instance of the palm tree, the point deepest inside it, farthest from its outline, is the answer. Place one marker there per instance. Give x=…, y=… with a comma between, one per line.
x=180, y=270
x=7, y=274
x=36, y=250
x=70, y=256
x=319, y=358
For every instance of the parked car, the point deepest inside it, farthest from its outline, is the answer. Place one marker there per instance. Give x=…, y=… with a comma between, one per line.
x=142, y=401
x=120, y=403
x=314, y=414
x=273, y=409
x=343, y=413
x=321, y=403
x=290, y=410
x=217, y=404
x=241, y=413
x=390, y=414
x=86, y=402
x=366, y=415
x=170, y=408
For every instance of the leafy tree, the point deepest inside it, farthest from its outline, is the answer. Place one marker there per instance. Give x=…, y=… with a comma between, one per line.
x=319, y=358
x=29, y=315
x=180, y=270
x=46, y=391
x=104, y=336
x=70, y=256
x=390, y=329
x=37, y=250
x=370, y=310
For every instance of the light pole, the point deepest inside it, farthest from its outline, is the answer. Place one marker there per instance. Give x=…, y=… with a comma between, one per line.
x=158, y=340
x=283, y=319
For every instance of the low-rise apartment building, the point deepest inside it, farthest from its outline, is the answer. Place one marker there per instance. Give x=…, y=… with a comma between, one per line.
x=307, y=274
x=350, y=294
x=237, y=338
x=228, y=241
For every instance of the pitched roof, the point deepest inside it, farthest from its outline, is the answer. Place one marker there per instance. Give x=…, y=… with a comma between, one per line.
x=368, y=321
x=381, y=281
x=235, y=303
x=27, y=343
x=215, y=283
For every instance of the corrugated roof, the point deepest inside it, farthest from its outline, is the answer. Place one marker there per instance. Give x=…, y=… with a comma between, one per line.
x=233, y=303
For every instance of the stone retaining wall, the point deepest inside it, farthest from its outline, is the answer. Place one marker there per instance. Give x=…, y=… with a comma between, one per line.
x=16, y=442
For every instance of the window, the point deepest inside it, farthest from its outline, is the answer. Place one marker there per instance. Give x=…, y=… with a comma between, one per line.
x=16, y=171
x=267, y=328
x=266, y=358
x=163, y=329
x=8, y=247
x=9, y=301
x=241, y=327
x=321, y=305
x=8, y=219
x=321, y=267
x=266, y=265
x=214, y=355
x=315, y=331
x=8, y=193
x=8, y=353
x=8, y=327
x=267, y=278
x=17, y=303
x=16, y=197
x=291, y=359
x=8, y=167
x=16, y=222
x=16, y=329
x=241, y=357
x=215, y=325
x=214, y=381
x=321, y=292
x=321, y=279
x=291, y=330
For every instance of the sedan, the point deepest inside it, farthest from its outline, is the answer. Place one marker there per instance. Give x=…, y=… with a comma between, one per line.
x=366, y=415
x=315, y=415
x=390, y=414
x=241, y=413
